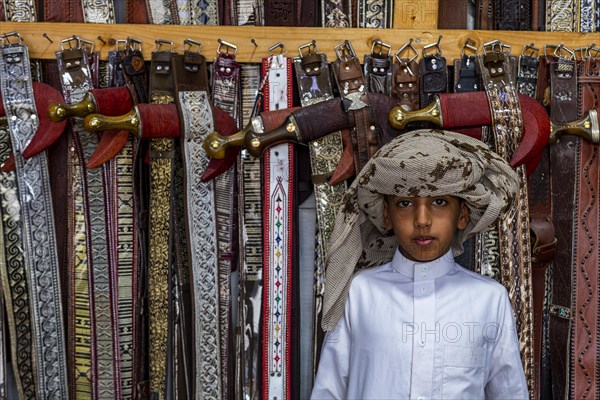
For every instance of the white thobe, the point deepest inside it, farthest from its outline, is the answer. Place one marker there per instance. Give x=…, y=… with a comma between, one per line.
x=431, y=330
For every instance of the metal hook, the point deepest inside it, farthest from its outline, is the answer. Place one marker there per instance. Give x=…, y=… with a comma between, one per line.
x=279, y=45
x=228, y=45
x=48, y=37
x=406, y=46
x=253, y=41
x=74, y=38
x=101, y=40
x=433, y=45
x=382, y=46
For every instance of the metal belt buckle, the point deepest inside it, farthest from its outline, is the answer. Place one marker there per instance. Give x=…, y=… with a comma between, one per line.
x=4, y=38
x=494, y=55
x=134, y=44
x=162, y=42
x=533, y=51
x=378, y=44
x=435, y=45
x=229, y=47
x=345, y=50
x=407, y=46
x=566, y=65
x=311, y=59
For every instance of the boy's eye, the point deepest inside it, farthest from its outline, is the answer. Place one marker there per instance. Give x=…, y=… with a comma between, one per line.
x=404, y=203
x=439, y=202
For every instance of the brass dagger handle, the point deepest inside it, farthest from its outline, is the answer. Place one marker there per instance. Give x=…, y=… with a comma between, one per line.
x=216, y=145
x=60, y=112
x=399, y=117
x=256, y=144
x=98, y=123
x=587, y=127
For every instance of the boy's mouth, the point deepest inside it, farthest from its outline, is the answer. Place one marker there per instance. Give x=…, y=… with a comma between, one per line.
x=423, y=240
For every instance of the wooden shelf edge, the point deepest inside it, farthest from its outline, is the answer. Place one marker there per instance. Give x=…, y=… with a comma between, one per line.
x=327, y=38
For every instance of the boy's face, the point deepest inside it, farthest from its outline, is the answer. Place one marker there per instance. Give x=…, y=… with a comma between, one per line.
x=425, y=226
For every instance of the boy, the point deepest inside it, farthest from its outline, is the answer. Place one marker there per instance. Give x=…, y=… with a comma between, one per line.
x=417, y=325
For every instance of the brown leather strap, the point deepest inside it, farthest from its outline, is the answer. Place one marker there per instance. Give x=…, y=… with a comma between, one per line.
x=527, y=75
x=378, y=72
x=63, y=11
x=563, y=85
x=281, y=13
x=405, y=84
x=512, y=15
x=453, y=14
x=137, y=13
x=484, y=15
x=588, y=85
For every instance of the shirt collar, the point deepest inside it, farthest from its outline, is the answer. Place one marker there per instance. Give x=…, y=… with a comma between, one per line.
x=434, y=269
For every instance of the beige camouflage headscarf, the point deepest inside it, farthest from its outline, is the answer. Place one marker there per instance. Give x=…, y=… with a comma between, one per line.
x=418, y=163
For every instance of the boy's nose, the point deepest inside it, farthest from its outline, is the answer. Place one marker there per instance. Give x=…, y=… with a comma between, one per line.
x=422, y=217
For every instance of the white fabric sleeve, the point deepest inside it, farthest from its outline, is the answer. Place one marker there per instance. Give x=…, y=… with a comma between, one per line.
x=331, y=381
x=506, y=379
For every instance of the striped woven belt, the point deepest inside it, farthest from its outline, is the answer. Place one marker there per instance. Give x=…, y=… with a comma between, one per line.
x=38, y=225
x=14, y=278
x=226, y=95
x=250, y=249
x=278, y=166
x=161, y=172
x=515, y=249
x=314, y=85
x=74, y=72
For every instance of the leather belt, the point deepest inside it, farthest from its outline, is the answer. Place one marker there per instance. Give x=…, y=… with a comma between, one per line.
x=116, y=69
x=512, y=15
x=14, y=278
x=280, y=13
x=250, y=217
x=314, y=85
x=433, y=73
x=162, y=12
x=378, y=68
x=586, y=252
x=226, y=81
x=351, y=84
x=375, y=14
x=454, y=14
x=279, y=251
x=159, y=279
x=135, y=71
x=73, y=68
x=405, y=75
x=515, y=251
x=38, y=223
x=336, y=14
x=563, y=86
x=527, y=75
x=466, y=75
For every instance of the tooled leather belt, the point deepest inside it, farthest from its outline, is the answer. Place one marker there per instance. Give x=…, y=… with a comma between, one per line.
x=73, y=68
x=38, y=226
x=14, y=278
x=512, y=15
x=433, y=73
x=314, y=85
x=585, y=333
x=197, y=122
x=278, y=255
x=515, y=251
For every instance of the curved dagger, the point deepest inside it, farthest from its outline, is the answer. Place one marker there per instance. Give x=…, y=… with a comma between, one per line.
x=587, y=127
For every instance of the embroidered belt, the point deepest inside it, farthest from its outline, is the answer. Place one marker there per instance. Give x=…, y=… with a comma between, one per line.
x=515, y=251
x=561, y=16
x=375, y=13
x=278, y=254
x=3, y=367
x=14, y=278
x=586, y=253
x=336, y=14
x=162, y=12
x=159, y=276
x=38, y=226
x=314, y=85
x=527, y=74
x=74, y=71
x=588, y=16
x=378, y=68
x=20, y=11
x=250, y=246
x=98, y=12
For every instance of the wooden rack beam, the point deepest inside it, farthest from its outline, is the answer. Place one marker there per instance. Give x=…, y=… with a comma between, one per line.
x=40, y=47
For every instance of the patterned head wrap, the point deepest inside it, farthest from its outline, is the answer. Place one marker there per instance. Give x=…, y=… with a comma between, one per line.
x=416, y=164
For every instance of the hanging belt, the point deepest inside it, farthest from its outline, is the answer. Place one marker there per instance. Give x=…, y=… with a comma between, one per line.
x=98, y=12
x=20, y=11
x=561, y=16
x=515, y=251
x=406, y=83
x=585, y=332
x=14, y=278
x=3, y=341
x=512, y=15
x=39, y=237
x=378, y=68
x=201, y=221
x=278, y=164
x=314, y=85
x=162, y=12
x=226, y=96
x=250, y=223
x=527, y=75
x=135, y=70
x=466, y=76
x=159, y=279
x=433, y=73
x=336, y=14
x=244, y=12
x=375, y=13
x=588, y=16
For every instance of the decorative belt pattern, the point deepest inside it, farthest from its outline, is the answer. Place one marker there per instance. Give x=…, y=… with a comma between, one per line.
x=98, y=12
x=250, y=245
x=76, y=82
x=226, y=85
x=378, y=73
x=375, y=13
x=198, y=120
x=512, y=15
x=336, y=14
x=14, y=278
x=588, y=15
x=20, y=10
x=278, y=167
x=515, y=250
x=162, y=12
x=487, y=255
x=527, y=75
x=3, y=366
x=38, y=230
x=561, y=16
x=325, y=154
x=204, y=12
x=127, y=255
x=247, y=12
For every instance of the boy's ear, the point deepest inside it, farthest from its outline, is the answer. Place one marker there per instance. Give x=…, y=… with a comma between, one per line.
x=386, y=216
x=463, y=218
